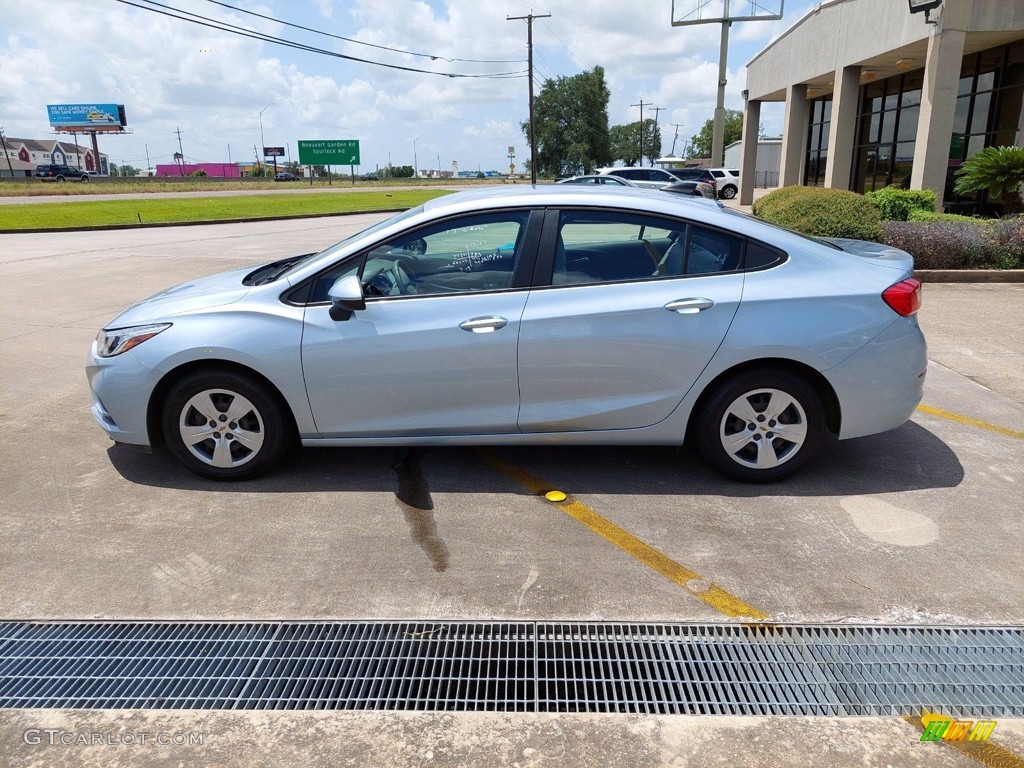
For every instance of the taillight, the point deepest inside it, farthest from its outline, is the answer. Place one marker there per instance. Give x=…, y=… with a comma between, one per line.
x=904, y=297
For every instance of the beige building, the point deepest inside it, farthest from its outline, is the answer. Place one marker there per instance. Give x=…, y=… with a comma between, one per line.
x=875, y=96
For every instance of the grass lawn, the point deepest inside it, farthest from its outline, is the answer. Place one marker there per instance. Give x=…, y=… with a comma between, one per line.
x=79, y=213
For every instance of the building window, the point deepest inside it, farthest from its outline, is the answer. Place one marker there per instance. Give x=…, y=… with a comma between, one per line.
x=988, y=108
x=817, y=141
x=886, y=132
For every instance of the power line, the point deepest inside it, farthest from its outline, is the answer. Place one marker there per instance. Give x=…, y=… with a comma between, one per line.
x=236, y=30
x=431, y=56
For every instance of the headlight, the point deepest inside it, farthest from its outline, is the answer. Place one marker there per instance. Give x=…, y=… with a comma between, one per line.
x=111, y=343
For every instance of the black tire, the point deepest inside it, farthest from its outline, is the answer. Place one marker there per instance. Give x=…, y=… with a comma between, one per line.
x=223, y=454
x=728, y=193
x=734, y=446
x=85, y=177
x=60, y=179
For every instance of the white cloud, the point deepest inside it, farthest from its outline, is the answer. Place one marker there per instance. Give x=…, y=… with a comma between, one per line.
x=212, y=85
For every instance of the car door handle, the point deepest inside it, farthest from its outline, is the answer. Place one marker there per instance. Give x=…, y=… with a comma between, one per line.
x=689, y=306
x=484, y=324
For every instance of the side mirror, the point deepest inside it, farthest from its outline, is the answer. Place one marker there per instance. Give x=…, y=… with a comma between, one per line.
x=346, y=297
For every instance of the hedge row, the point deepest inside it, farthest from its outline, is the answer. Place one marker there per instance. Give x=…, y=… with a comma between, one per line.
x=822, y=212
x=898, y=204
x=971, y=244
x=935, y=240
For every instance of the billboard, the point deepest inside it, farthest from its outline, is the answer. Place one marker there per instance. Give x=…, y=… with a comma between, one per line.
x=329, y=152
x=88, y=116
x=273, y=151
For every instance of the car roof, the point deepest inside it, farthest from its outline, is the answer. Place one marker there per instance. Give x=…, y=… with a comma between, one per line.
x=556, y=195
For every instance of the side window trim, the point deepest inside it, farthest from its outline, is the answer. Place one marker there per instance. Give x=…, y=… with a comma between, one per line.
x=548, y=235
x=521, y=276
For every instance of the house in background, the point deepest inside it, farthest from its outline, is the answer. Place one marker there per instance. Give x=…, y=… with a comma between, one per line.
x=26, y=154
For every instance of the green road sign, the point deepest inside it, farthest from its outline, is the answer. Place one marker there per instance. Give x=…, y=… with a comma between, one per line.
x=329, y=152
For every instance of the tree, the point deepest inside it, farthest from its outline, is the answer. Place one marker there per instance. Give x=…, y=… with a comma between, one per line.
x=625, y=142
x=124, y=170
x=998, y=171
x=571, y=117
x=397, y=172
x=700, y=145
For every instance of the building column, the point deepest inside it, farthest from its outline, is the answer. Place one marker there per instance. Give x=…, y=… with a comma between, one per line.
x=748, y=150
x=938, y=100
x=794, y=136
x=843, y=128
x=1020, y=126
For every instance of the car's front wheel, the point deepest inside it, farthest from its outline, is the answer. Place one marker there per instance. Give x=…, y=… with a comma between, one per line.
x=761, y=426
x=224, y=426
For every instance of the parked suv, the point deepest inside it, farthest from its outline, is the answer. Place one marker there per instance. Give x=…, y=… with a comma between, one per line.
x=60, y=173
x=728, y=182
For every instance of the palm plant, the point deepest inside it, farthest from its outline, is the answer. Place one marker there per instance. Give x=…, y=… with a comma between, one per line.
x=997, y=170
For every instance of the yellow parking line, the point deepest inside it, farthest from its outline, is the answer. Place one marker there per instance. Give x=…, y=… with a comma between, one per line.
x=984, y=752
x=693, y=583
x=971, y=422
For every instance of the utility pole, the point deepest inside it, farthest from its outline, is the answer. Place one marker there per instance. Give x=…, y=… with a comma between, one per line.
x=3, y=141
x=148, y=166
x=674, y=138
x=718, y=129
x=181, y=165
x=641, y=105
x=529, y=58
x=656, y=111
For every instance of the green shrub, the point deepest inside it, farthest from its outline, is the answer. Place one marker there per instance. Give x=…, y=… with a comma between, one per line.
x=897, y=204
x=822, y=212
x=962, y=244
x=198, y=173
x=918, y=215
x=997, y=170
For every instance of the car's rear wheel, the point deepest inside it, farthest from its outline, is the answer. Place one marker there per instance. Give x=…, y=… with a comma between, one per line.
x=728, y=193
x=224, y=426
x=761, y=426
x=85, y=177
x=60, y=179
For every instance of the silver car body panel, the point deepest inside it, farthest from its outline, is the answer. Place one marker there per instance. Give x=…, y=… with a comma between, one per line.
x=362, y=375
x=611, y=356
x=406, y=366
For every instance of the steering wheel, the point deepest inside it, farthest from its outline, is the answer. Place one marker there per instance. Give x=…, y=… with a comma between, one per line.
x=390, y=280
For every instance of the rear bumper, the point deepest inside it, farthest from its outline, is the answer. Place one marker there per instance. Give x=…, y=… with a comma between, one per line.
x=881, y=384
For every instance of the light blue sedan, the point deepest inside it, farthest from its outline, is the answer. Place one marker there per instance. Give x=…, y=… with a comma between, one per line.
x=553, y=314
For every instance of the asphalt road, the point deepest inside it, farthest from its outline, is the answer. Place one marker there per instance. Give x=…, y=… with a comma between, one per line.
x=920, y=525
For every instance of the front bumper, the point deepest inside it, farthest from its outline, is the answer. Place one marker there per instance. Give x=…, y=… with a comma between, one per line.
x=121, y=387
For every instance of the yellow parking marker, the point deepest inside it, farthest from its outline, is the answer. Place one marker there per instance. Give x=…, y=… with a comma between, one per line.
x=984, y=752
x=970, y=422
x=693, y=583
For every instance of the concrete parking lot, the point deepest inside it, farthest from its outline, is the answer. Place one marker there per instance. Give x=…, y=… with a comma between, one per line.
x=920, y=525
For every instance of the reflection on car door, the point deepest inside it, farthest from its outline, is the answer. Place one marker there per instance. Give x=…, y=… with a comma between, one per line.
x=406, y=366
x=608, y=348
x=437, y=353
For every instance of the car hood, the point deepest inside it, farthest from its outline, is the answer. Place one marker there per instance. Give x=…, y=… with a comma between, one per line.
x=883, y=255
x=204, y=293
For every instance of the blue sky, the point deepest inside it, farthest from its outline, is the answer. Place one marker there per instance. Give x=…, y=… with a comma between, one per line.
x=213, y=85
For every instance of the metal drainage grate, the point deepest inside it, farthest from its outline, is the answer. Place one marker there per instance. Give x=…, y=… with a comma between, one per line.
x=516, y=667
